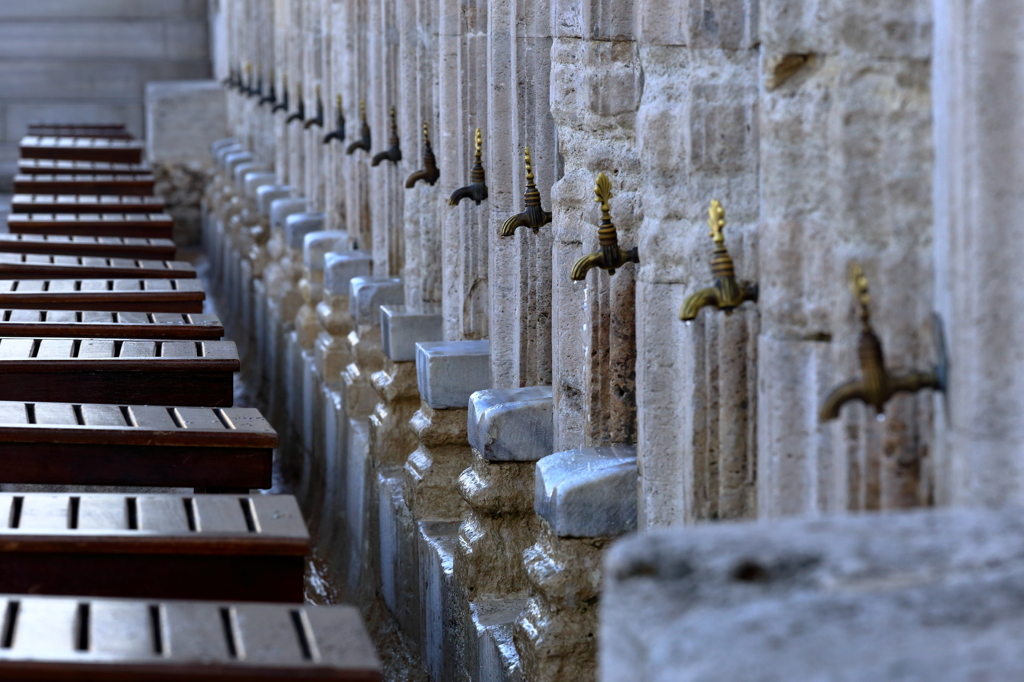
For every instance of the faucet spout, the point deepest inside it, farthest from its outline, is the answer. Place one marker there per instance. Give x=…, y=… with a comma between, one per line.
x=317, y=120
x=585, y=265
x=300, y=111
x=726, y=293
x=430, y=172
x=842, y=394
x=365, y=140
x=394, y=152
x=695, y=302
x=424, y=175
x=339, y=124
x=476, y=189
x=534, y=217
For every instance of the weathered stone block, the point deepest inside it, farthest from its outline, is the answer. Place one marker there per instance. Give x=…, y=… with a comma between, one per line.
x=922, y=596
x=254, y=180
x=512, y=425
x=341, y=268
x=449, y=372
x=280, y=209
x=183, y=118
x=268, y=194
x=243, y=169
x=588, y=493
x=223, y=152
x=298, y=225
x=368, y=294
x=223, y=142
x=235, y=159
x=316, y=245
x=402, y=328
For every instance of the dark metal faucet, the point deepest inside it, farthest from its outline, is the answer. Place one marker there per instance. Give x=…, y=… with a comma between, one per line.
x=534, y=217
x=611, y=257
x=476, y=189
x=317, y=120
x=339, y=125
x=394, y=152
x=365, y=140
x=283, y=104
x=430, y=172
x=300, y=110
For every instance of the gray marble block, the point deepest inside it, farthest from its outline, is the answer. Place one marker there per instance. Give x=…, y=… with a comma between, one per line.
x=512, y=425
x=256, y=179
x=449, y=372
x=368, y=294
x=317, y=245
x=268, y=194
x=341, y=268
x=401, y=329
x=280, y=209
x=298, y=225
x=588, y=493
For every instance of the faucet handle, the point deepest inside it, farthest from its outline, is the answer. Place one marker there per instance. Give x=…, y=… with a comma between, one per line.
x=716, y=221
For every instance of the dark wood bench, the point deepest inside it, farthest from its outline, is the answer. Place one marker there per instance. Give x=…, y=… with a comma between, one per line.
x=111, y=130
x=42, y=266
x=85, y=203
x=97, y=183
x=78, y=245
x=247, y=548
x=94, y=324
x=136, y=445
x=129, y=225
x=125, y=295
x=81, y=149
x=63, y=167
x=115, y=371
x=60, y=639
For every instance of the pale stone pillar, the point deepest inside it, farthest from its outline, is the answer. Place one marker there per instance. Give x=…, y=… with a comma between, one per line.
x=978, y=95
x=334, y=152
x=846, y=173
x=355, y=86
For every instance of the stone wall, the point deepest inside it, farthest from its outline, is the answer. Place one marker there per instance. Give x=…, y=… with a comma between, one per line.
x=81, y=62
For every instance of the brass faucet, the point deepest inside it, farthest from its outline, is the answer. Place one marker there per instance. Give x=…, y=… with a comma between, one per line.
x=534, y=217
x=727, y=293
x=300, y=111
x=611, y=257
x=430, y=172
x=271, y=96
x=339, y=125
x=283, y=104
x=317, y=120
x=394, y=152
x=876, y=385
x=364, y=141
x=476, y=189
x=247, y=86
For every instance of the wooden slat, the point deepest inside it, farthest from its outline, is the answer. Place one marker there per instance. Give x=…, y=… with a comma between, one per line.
x=102, y=324
x=81, y=149
x=172, y=296
x=140, y=185
x=63, y=167
x=88, y=204
x=136, y=226
x=47, y=266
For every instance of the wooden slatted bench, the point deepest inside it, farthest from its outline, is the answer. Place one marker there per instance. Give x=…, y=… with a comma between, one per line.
x=129, y=225
x=81, y=149
x=78, y=245
x=43, y=266
x=84, y=203
x=248, y=548
x=125, y=295
x=136, y=445
x=63, y=167
x=60, y=639
x=112, y=130
x=96, y=183
x=115, y=371
x=94, y=324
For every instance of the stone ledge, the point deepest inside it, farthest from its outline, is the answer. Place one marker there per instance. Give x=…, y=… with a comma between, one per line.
x=449, y=372
x=401, y=329
x=512, y=425
x=588, y=493
x=280, y=209
x=298, y=225
x=368, y=294
x=934, y=596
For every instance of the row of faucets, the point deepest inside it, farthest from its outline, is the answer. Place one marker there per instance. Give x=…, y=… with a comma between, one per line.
x=876, y=385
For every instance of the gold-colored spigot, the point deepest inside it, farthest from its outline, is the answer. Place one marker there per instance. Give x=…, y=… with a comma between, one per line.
x=611, y=257
x=271, y=96
x=534, y=217
x=283, y=104
x=317, y=120
x=394, y=152
x=476, y=189
x=247, y=86
x=876, y=385
x=300, y=111
x=430, y=172
x=727, y=293
x=339, y=123
x=364, y=141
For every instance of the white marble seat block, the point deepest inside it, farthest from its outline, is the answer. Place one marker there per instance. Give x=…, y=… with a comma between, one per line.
x=217, y=145
x=449, y=372
x=921, y=596
x=243, y=169
x=268, y=194
x=316, y=245
x=221, y=155
x=254, y=180
x=341, y=268
x=588, y=493
x=401, y=329
x=368, y=294
x=280, y=209
x=298, y=225
x=233, y=161
x=512, y=425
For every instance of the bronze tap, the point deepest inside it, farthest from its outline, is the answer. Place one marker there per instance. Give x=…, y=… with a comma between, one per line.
x=283, y=104
x=476, y=189
x=611, y=257
x=430, y=172
x=876, y=385
x=317, y=120
x=727, y=293
x=364, y=141
x=339, y=126
x=271, y=96
x=300, y=111
x=393, y=153
x=534, y=217
x=246, y=88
